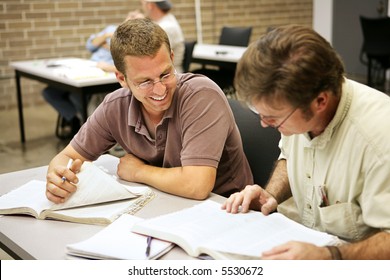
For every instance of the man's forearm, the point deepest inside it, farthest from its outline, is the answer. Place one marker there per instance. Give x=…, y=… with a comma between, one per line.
x=100, y=40
x=278, y=185
x=376, y=247
x=195, y=182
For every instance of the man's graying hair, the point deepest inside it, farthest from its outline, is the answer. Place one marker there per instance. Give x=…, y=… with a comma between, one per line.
x=137, y=37
x=292, y=63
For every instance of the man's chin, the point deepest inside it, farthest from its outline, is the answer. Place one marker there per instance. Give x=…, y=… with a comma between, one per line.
x=286, y=133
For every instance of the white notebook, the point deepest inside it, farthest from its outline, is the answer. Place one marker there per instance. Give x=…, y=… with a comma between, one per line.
x=116, y=241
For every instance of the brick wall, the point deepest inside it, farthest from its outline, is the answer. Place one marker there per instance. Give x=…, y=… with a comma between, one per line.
x=35, y=29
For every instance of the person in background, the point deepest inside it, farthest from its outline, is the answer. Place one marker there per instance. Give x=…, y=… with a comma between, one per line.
x=177, y=130
x=99, y=44
x=68, y=104
x=335, y=157
x=159, y=11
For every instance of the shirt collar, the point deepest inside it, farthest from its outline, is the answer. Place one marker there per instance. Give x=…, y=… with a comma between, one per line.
x=341, y=112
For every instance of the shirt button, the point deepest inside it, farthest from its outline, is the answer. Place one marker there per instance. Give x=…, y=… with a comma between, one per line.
x=159, y=137
x=308, y=206
x=308, y=176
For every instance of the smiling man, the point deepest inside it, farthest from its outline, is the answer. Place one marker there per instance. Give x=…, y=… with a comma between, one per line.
x=177, y=130
x=335, y=145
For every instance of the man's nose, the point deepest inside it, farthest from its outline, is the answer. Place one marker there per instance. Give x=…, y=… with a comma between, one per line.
x=159, y=87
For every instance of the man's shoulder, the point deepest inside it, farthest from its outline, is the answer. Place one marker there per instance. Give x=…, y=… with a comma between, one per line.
x=118, y=96
x=367, y=102
x=194, y=78
x=197, y=82
x=199, y=91
x=169, y=22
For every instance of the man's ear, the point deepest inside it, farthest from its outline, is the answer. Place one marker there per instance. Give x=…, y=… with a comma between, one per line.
x=121, y=79
x=150, y=6
x=322, y=101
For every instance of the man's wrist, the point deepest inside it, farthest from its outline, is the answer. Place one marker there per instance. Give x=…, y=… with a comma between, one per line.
x=272, y=194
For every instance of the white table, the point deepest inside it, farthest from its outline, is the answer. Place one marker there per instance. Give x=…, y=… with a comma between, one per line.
x=217, y=53
x=49, y=71
x=224, y=57
x=24, y=237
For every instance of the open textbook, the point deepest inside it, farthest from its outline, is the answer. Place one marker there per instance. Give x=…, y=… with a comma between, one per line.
x=207, y=229
x=116, y=241
x=99, y=199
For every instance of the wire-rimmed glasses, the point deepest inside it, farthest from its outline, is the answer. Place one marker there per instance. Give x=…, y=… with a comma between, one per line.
x=270, y=121
x=164, y=79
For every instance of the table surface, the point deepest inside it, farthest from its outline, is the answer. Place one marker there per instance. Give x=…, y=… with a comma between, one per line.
x=222, y=53
x=30, y=238
x=56, y=70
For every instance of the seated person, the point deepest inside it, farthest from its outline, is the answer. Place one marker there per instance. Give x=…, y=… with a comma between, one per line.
x=159, y=11
x=177, y=130
x=335, y=148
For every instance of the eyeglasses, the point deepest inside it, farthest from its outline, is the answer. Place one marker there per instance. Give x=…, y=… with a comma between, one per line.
x=164, y=79
x=264, y=120
x=271, y=123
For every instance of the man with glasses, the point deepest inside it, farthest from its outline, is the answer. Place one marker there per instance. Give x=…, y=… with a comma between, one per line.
x=335, y=157
x=177, y=130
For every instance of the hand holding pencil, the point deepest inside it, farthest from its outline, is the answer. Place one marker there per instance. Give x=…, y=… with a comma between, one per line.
x=68, y=166
x=61, y=180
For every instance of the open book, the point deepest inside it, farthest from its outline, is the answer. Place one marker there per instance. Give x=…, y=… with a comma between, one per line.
x=206, y=229
x=99, y=199
x=116, y=241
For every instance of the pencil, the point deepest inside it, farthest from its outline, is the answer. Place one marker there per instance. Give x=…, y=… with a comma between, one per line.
x=67, y=167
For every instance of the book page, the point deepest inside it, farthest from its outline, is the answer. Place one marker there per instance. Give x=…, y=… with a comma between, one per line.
x=184, y=228
x=205, y=228
x=77, y=69
x=116, y=241
x=103, y=213
x=96, y=186
x=252, y=238
x=71, y=63
x=81, y=73
x=30, y=195
x=191, y=227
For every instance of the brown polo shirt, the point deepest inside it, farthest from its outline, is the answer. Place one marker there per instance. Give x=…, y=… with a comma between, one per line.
x=197, y=130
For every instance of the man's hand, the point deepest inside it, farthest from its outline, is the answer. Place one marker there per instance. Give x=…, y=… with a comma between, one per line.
x=57, y=189
x=294, y=250
x=252, y=197
x=105, y=66
x=128, y=167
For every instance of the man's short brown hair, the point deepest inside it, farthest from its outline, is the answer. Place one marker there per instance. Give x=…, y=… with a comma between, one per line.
x=137, y=37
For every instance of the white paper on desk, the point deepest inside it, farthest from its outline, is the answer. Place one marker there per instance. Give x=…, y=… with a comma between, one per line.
x=81, y=73
x=77, y=69
x=72, y=63
x=116, y=241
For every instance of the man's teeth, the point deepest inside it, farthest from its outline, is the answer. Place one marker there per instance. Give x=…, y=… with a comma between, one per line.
x=159, y=98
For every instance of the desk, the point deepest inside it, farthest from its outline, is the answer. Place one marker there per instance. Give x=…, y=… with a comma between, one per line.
x=24, y=237
x=39, y=70
x=220, y=55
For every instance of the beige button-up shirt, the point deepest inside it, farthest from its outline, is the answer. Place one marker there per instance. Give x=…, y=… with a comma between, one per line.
x=350, y=160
